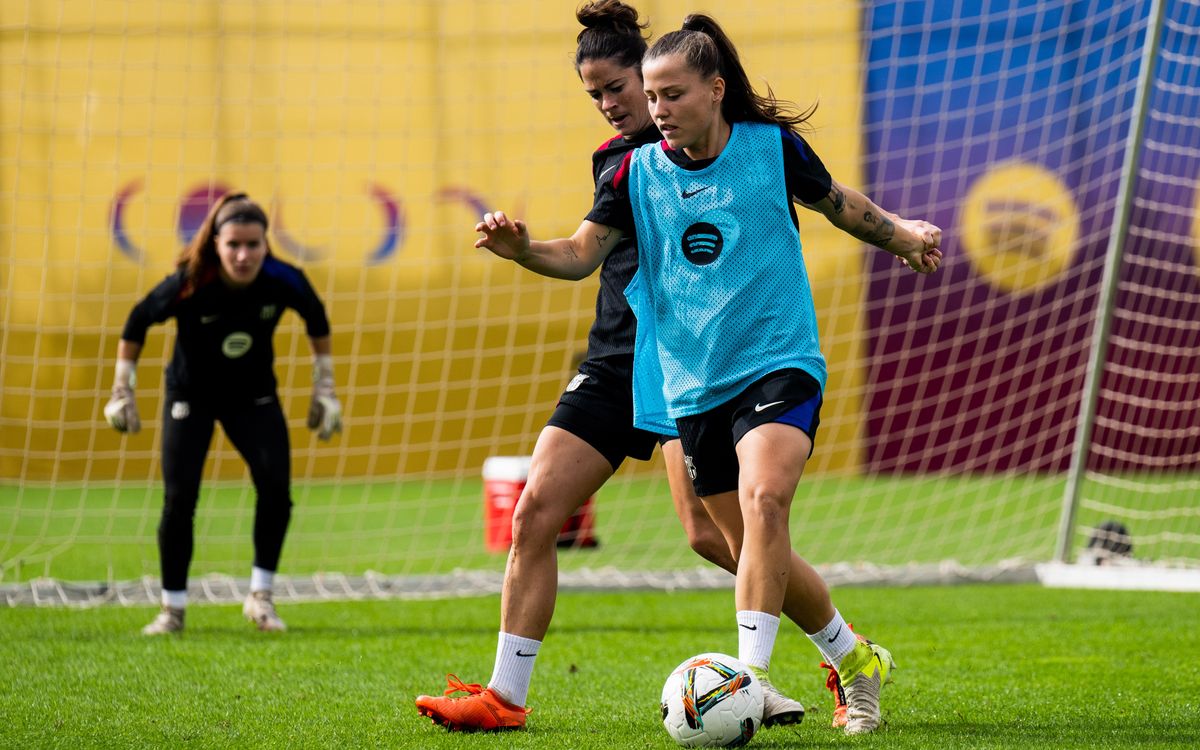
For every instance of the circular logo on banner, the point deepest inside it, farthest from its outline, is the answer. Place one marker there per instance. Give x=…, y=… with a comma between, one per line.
x=236, y=344
x=702, y=243
x=1019, y=225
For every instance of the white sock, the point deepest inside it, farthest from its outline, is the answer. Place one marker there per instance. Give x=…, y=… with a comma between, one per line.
x=261, y=579
x=174, y=599
x=514, y=667
x=835, y=640
x=756, y=637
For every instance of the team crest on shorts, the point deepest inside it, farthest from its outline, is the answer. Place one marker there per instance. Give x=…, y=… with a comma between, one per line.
x=180, y=410
x=576, y=382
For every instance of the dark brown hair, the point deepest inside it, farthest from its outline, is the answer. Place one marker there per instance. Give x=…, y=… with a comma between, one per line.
x=200, y=256
x=707, y=50
x=610, y=31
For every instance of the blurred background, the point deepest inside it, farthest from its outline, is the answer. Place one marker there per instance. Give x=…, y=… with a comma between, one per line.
x=976, y=421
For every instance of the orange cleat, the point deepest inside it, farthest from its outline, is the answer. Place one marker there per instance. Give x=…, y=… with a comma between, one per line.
x=480, y=710
x=833, y=683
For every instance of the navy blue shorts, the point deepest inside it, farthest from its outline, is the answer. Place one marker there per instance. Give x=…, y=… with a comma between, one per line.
x=597, y=408
x=709, y=440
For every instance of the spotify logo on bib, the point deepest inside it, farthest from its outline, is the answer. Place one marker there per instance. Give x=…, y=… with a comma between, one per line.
x=702, y=243
x=236, y=344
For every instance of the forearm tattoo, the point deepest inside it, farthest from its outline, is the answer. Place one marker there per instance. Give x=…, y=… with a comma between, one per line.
x=838, y=199
x=877, y=230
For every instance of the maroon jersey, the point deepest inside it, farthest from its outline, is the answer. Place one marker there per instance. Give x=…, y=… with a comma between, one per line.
x=613, y=330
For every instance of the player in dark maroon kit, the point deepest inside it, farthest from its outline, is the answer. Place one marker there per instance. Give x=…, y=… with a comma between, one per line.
x=591, y=431
x=227, y=296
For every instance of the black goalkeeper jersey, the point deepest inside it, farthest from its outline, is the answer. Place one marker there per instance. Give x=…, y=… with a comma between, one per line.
x=225, y=339
x=613, y=330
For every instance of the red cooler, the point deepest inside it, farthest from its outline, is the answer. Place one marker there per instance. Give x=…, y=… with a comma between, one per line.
x=503, y=480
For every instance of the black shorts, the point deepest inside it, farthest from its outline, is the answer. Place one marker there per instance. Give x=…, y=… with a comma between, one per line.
x=710, y=439
x=597, y=407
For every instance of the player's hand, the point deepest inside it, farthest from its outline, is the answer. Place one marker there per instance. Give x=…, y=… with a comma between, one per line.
x=507, y=238
x=121, y=410
x=324, y=411
x=926, y=257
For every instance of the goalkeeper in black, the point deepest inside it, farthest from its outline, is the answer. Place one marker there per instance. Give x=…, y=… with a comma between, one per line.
x=227, y=296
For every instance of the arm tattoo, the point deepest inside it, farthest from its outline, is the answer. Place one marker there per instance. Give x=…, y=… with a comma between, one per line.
x=602, y=239
x=838, y=199
x=879, y=230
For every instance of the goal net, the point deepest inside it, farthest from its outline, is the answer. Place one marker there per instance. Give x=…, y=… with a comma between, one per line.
x=377, y=132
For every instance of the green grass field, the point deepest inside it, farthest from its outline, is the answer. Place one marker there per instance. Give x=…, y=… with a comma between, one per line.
x=980, y=667
x=98, y=532
x=107, y=532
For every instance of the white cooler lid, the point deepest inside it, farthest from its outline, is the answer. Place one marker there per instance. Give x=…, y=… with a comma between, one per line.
x=506, y=468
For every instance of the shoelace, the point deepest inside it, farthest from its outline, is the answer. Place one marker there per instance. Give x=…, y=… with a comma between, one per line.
x=458, y=686
x=832, y=681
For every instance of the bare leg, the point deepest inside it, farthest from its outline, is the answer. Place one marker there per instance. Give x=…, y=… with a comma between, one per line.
x=771, y=462
x=563, y=473
x=806, y=598
x=706, y=539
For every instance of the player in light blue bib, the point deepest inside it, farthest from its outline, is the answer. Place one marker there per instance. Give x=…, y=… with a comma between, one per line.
x=721, y=278
x=726, y=337
x=734, y=341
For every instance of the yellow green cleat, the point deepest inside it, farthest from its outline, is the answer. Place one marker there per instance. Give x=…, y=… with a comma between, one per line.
x=863, y=673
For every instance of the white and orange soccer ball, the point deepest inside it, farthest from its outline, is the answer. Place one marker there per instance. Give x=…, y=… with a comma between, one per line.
x=712, y=700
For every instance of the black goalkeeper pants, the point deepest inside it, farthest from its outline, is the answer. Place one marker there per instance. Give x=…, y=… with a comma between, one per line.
x=258, y=431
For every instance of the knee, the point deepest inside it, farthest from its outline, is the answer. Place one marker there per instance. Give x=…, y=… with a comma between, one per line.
x=538, y=517
x=275, y=498
x=765, y=506
x=272, y=484
x=178, y=509
x=705, y=537
x=707, y=542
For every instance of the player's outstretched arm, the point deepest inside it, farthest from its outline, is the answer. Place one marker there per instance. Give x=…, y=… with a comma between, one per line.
x=914, y=242
x=121, y=410
x=571, y=258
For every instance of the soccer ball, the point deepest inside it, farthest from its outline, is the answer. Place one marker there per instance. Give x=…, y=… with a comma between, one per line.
x=712, y=700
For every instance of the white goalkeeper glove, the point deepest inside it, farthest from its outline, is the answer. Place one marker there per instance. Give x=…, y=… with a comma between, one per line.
x=325, y=411
x=121, y=409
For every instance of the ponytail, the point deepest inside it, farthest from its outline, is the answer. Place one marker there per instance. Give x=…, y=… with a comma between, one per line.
x=706, y=49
